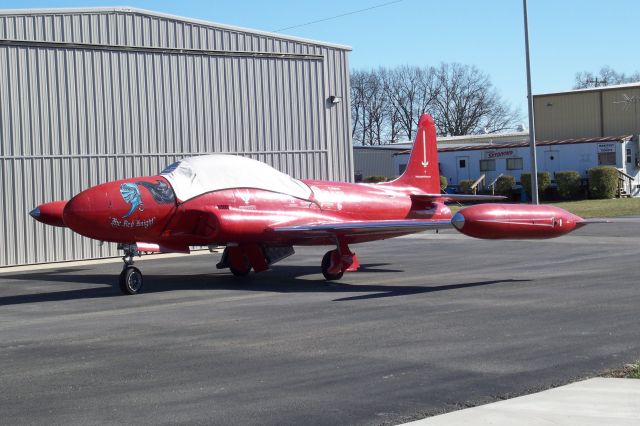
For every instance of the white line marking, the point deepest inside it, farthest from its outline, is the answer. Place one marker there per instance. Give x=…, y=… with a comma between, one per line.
x=425, y=163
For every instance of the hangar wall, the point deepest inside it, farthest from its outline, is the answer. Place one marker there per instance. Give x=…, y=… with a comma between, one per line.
x=375, y=161
x=92, y=95
x=588, y=113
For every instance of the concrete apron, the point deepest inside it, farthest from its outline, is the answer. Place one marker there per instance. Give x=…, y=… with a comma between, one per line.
x=596, y=401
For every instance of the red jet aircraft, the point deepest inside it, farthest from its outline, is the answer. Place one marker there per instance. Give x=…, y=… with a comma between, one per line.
x=259, y=213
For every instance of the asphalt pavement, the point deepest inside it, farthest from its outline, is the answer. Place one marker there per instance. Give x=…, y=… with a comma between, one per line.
x=432, y=323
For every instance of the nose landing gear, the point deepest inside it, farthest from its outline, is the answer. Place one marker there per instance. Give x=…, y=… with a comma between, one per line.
x=130, y=280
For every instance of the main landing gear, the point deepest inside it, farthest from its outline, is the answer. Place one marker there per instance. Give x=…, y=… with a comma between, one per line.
x=241, y=258
x=336, y=262
x=130, y=278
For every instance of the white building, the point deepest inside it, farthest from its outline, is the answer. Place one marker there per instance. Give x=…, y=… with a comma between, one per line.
x=378, y=160
x=471, y=161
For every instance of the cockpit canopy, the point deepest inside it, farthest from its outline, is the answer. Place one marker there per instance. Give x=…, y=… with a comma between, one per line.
x=194, y=176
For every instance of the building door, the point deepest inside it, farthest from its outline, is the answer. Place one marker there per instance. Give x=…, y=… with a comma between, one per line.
x=551, y=162
x=462, y=168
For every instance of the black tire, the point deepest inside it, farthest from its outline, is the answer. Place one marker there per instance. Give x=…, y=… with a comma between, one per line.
x=241, y=272
x=130, y=280
x=326, y=263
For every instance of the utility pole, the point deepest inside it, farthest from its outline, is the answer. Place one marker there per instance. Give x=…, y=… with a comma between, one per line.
x=532, y=131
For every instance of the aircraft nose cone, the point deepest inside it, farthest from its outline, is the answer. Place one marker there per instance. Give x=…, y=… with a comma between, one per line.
x=35, y=213
x=77, y=213
x=458, y=221
x=89, y=212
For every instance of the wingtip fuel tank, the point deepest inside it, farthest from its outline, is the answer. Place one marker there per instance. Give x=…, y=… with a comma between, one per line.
x=515, y=221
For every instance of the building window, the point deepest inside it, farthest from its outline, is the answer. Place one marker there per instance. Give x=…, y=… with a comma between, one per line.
x=487, y=165
x=628, y=155
x=462, y=163
x=514, y=163
x=402, y=168
x=606, y=158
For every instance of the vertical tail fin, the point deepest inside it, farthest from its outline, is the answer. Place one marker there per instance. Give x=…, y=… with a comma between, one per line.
x=422, y=170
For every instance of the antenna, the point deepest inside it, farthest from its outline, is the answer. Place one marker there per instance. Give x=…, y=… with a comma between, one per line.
x=627, y=101
x=597, y=83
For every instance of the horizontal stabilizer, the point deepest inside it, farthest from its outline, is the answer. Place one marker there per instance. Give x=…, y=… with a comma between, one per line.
x=457, y=197
x=594, y=221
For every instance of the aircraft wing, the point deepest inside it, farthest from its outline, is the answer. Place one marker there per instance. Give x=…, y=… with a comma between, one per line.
x=362, y=228
x=456, y=197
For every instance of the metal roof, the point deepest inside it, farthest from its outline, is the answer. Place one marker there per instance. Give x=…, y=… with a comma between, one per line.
x=387, y=147
x=133, y=10
x=481, y=138
x=619, y=139
x=593, y=89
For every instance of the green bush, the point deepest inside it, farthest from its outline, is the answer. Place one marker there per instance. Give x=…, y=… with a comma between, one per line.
x=464, y=186
x=376, y=179
x=568, y=184
x=544, y=180
x=603, y=182
x=504, y=185
x=443, y=183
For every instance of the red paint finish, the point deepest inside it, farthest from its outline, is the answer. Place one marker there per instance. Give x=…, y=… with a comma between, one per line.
x=515, y=221
x=102, y=213
x=49, y=213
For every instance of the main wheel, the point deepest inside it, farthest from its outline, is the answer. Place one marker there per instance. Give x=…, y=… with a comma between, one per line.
x=243, y=270
x=240, y=272
x=326, y=263
x=130, y=280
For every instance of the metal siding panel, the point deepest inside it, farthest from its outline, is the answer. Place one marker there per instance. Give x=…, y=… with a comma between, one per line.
x=373, y=162
x=573, y=115
x=5, y=104
x=621, y=111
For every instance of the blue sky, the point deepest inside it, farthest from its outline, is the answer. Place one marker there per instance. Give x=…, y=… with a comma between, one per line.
x=566, y=36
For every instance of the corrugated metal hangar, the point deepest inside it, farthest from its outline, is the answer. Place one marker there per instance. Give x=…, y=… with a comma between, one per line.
x=98, y=94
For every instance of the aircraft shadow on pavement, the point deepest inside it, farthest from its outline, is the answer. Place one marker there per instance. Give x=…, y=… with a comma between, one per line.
x=282, y=279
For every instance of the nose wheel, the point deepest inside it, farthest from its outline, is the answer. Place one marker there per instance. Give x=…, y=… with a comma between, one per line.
x=130, y=280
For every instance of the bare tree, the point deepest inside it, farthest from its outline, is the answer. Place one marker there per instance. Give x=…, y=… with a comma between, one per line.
x=376, y=104
x=393, y=129
x=368, y=107
x=411, y=90
x=606, y=77
x=467, y=103
x=358, y=90
x=386, y=104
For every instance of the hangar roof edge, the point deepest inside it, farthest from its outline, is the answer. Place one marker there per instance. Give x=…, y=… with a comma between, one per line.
x=128, y=9
x=478, y=147
x=592, y=89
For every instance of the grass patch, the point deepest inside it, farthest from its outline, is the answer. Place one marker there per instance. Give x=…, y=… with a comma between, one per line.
x=629, y=371
x=602, y=208
x=594, y=208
